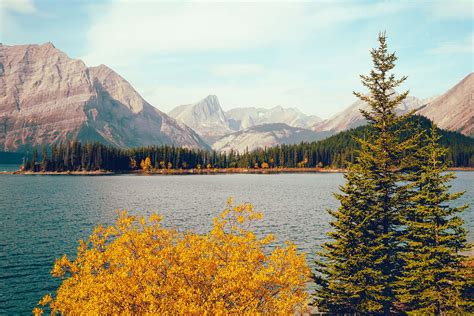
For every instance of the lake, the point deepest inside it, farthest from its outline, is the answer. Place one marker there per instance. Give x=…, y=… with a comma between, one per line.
x=42, y=217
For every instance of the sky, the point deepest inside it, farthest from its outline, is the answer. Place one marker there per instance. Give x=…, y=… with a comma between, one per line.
x=307, y=55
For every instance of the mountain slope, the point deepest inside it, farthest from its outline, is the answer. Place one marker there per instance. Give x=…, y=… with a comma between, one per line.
x=266, y=135
x=47, y=97
x=454, y=110
x=241, y=118
x=205, y=117
x=352, y=118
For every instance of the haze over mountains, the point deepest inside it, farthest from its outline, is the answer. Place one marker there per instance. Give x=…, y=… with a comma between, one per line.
x=266, y=135
x=47, y=97
x=241, y=118
x=246, y=128
x=259, y=127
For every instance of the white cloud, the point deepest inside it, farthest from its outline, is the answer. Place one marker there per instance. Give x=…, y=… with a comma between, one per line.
x=465, y=46
x=460, y=9
x=123, y=35
x=122, y=31
x=19, y=6
x=237, y=70
x=10, y=12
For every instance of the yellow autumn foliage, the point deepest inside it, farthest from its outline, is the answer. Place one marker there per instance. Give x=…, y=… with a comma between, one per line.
x=146, y=164
x=139, y=267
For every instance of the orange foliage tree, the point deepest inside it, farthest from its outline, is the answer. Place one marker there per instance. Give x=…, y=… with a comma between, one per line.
x=139, y=267
x=146, y=164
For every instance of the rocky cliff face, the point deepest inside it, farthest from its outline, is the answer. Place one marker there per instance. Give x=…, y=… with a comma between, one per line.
x=205, y=117
x=266, y=135
x=47, y=97
x=454, y=110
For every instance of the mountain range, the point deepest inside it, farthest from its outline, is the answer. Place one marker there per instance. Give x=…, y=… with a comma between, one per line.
x=210, y=121
x=47, y=97
x=266, y=135
x=242, y=118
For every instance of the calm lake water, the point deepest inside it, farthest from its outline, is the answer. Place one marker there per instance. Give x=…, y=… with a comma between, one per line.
x=42, y=217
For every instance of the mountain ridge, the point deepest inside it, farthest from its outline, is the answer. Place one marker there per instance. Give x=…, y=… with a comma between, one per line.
x=265, y=135
x=49, y=98
x=454, y=110
x=351, y=117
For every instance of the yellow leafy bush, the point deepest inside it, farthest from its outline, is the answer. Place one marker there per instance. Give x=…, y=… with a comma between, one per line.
x=139, y=267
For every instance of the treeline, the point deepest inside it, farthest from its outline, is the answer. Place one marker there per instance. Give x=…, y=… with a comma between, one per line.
x=333, y=152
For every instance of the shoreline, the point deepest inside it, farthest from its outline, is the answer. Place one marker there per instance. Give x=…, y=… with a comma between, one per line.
x=213, y=171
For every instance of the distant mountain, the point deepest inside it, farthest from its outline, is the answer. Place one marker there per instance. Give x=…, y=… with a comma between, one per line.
x=242, y=118
x=47, y=97
x=208, y=119
x=265, y=135
x=351, y=117
x=205, y=117
x=454, y=110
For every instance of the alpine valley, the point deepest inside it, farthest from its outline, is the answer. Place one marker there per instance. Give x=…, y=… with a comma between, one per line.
x=48, y=98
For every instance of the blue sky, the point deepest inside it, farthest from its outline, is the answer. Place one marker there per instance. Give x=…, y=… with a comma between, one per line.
x=296, y=54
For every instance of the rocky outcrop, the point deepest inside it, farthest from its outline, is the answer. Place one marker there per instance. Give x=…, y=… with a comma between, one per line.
x=47, y=97
x=454, y=110
x=206, y=117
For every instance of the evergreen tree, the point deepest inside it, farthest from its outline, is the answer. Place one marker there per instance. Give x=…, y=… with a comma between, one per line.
x=360, y=265
x=432, y=279
x=44, y=157
x=34, y=159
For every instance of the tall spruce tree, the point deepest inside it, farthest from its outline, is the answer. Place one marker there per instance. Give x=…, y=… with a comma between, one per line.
x=360, y=265
x=433, y=275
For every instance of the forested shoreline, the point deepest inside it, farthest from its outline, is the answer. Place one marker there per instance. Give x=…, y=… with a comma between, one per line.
x=333, y=153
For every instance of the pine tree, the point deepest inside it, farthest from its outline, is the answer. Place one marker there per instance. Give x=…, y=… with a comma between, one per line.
x=432, y=279
x=34, y=159
x=360, y=265
x=44, y=157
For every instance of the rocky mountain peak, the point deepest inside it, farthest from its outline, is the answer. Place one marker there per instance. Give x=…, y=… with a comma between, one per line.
x=211, y=100
x=47, y=97
x=48, y=45
x=117, y=87
x=206, y=117
x=209, y=106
